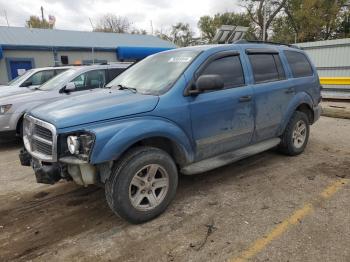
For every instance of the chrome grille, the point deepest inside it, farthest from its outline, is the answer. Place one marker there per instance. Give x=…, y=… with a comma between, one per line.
x=43, y=132
x=40, y=139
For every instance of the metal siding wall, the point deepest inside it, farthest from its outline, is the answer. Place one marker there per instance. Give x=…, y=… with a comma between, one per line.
x=331, y=56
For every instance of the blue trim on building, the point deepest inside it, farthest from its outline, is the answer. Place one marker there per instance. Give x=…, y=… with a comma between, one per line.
x=137, y=53
x=16, y=59
x=1, y=53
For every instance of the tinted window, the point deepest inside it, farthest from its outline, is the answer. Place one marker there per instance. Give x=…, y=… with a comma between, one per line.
x=299, y=64
x=266, y=67
x=114, y=72
x=90, y=80
x=229, y=68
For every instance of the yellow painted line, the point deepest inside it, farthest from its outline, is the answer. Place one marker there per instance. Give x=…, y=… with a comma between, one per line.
x=335, y=80
x=281, y=228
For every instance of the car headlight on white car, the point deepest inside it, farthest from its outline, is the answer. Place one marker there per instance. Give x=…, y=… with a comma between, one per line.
x=80, y=145
x=5, y=108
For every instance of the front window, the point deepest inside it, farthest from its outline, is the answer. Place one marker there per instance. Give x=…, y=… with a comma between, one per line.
x=19, y=79
x=39, y=78
x=157, y=73
x=58, y=81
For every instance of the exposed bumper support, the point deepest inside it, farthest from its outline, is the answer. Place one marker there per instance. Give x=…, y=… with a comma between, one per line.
x=81, y=171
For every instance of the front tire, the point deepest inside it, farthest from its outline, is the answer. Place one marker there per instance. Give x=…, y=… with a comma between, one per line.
x=142, y=184
x=296, y=135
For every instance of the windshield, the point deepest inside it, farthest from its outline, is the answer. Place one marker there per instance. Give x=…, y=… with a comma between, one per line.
x=155, y=74
x=19, y=79
x=58, y=81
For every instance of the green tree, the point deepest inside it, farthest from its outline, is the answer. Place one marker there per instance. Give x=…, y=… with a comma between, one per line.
x=258, y=9
x=180, y=34
x=209, y=24
x=311, y=20
x=36, y=22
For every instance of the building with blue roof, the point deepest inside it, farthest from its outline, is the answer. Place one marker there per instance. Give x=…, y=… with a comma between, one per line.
x=26, y=48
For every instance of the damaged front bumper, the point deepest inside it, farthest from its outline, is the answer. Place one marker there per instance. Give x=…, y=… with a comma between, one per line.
x=69, y=168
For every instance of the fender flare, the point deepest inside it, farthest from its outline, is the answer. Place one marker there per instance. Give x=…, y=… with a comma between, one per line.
x=298, y=99
x=112, y=141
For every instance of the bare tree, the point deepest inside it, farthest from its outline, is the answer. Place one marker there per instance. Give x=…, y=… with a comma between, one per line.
x=113, y=24
x=256, y=12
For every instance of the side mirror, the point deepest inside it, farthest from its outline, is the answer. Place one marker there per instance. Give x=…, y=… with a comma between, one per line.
x=208, y=82
x=26, y=84
x=70, y=87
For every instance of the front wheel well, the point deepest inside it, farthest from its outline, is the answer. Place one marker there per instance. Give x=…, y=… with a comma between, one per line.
x=19, y=126
x=307, y=110
x=166, y=144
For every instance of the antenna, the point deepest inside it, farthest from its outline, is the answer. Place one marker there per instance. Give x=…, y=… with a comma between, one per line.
x=92, y=25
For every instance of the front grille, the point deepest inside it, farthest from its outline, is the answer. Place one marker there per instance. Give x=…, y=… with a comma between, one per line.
x=43, y=132
x=42, y=147
x=40, y=139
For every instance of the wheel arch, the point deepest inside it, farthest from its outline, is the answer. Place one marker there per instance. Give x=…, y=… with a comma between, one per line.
x=151, y=132
x=301, y=102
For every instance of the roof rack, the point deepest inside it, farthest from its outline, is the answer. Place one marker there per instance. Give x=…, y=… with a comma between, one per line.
x=244, y=41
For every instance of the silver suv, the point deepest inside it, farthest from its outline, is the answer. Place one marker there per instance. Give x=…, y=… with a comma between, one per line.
x=73, y=81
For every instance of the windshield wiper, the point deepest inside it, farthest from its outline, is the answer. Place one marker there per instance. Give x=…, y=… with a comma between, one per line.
x=122, y=87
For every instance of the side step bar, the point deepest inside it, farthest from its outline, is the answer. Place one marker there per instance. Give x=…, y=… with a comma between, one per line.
x=229, y=157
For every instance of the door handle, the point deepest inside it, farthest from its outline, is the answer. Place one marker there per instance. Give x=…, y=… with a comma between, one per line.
x=245, y=98
x=290, y=90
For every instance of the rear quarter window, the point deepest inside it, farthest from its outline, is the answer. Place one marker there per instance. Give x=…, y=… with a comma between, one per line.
x=299, y=64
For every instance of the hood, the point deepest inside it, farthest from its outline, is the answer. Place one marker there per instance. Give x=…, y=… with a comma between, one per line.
x=12, y=90
x=27, y=97
x=94, y=106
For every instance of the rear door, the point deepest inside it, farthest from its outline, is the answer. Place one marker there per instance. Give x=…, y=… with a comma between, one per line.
x=272, y=91
x=222, y=120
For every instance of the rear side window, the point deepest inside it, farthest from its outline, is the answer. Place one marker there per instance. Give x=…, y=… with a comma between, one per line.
x=299, y=64
x=229, y=68
x=266, y=67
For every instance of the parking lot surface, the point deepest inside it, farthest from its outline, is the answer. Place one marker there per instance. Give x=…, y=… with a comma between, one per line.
x=269, y=207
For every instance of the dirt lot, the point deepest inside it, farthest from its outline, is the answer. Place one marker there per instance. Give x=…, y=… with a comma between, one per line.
x=267, y=208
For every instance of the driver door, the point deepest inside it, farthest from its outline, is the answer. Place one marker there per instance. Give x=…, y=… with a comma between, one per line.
x=223, y=120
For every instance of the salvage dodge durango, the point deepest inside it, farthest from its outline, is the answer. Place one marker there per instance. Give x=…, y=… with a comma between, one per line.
x=187, y=110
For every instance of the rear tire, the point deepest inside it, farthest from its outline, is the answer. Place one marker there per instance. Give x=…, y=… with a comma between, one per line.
x=142, y=184
x=296, y=135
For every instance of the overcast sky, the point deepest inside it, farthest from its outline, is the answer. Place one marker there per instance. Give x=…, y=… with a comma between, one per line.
x=75, y=14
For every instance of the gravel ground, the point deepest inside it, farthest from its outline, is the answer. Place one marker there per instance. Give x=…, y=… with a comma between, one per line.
x=215, y=217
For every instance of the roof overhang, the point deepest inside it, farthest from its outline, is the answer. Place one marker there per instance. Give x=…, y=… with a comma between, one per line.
x=137, y=53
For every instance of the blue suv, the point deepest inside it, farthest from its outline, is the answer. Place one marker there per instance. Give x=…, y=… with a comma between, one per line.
x=187, y=110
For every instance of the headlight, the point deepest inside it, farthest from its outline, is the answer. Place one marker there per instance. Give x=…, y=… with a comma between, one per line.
x=4, y=109
x=80, y=145
x=73, y=144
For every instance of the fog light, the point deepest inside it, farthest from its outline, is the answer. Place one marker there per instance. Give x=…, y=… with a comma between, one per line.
x=73, y=144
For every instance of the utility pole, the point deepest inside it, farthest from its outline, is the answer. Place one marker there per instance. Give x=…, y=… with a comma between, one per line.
x=151, y=27
x=42, y=13
x=265, y=21
x=7, y=21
